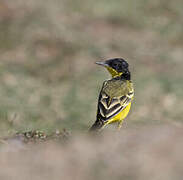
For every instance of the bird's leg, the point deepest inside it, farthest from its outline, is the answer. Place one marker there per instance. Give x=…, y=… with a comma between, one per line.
x=105, y=124
x=120, y=125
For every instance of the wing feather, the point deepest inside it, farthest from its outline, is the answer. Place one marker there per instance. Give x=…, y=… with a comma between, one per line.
x=109, y=106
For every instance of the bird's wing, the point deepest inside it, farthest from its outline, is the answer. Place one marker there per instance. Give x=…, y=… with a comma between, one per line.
x=110, y=103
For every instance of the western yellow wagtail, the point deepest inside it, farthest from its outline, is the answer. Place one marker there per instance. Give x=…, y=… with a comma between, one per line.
x=116, y=94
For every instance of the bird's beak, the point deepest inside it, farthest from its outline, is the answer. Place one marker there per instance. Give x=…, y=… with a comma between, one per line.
x=102, y=63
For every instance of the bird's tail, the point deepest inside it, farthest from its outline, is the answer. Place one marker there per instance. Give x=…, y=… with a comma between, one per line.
x=96, y=126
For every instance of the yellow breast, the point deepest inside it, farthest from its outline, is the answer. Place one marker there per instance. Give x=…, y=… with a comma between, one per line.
x=120, y=116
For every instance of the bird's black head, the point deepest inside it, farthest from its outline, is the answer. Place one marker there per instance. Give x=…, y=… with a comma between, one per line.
x=116, y=66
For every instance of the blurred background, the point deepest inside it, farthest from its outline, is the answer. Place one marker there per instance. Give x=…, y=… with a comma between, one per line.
x=48, y=49
x=49, y=81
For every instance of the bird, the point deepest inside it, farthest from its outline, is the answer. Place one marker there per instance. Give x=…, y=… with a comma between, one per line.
x=116, y=94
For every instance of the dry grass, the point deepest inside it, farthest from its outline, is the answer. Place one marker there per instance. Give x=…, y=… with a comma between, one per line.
x=48, y=49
